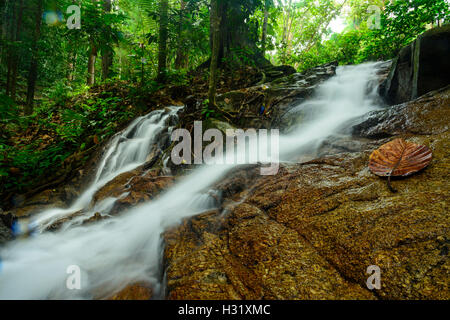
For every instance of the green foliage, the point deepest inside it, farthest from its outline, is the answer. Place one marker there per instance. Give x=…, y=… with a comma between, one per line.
x=401, y=22
x=70, y=130
x=207, y=111
x=177, y=78
x=8, y=109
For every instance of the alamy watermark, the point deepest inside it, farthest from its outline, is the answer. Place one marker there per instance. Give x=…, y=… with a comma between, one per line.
x=374, y=21
x=54, y=18
x=74, y=20
x=73, y=281
x=262, y=147
x=374, y=281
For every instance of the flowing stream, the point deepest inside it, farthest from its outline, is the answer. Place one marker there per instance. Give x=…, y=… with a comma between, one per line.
x=126, y=249
x=127, y=150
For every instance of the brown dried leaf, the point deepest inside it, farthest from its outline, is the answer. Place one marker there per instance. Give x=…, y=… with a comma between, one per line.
x=399, y=158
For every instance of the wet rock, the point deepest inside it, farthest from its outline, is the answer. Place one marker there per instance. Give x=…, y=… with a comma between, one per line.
x=140, y=190
x=288, y=92
x=134, y=292
x=55, y=226
x=47, y=199
x=218, y=124
x=5, y=233
x=427, y=115
x=276, y=97
x=274, y=72
x=95, y=218
x=338, y=144
x=116, y=187
x=312, y=231
x=132, y=188
x=7, y=219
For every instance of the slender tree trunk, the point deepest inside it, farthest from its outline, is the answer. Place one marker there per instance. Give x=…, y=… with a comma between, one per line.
x=285, y=40
x=163, y=35
x=72, y=66
x=32, y=77
x=4, y=26
x=16, y=56
x=70, y=61
x=10, y=22
x=264, y=29
x=107, y=59
x=107, y=54
x=91, y=64
x=215, y=51
x=142, y=45
x=180, y=60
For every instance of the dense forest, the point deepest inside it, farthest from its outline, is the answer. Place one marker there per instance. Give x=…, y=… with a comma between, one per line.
x=55, y=53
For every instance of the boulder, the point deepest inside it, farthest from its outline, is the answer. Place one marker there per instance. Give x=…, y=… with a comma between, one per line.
x=420, y=67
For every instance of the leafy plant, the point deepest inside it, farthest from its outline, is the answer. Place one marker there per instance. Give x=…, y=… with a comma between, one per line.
x=207, y=111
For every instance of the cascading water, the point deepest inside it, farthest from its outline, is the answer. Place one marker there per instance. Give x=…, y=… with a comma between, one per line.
x=126, y=249
x=127, y=150
x=350, y=94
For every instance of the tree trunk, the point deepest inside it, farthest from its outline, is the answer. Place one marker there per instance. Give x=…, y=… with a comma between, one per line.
x=181, y=57
x=215, y=51
x=285, y=37
x=264, y=29
x=4, y=27
x=91, y=64
x=32, y=77
x=107, y=53
x=72, y=66
x=163, y=35
x=10, y=21
x=16, y=57
x=235, y=33
x=107, y=59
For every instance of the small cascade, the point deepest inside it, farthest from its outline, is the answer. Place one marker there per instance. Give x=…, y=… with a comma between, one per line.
x=126, y=151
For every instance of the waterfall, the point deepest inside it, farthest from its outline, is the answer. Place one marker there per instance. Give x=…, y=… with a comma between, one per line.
x=127, y=249
x=126, y=151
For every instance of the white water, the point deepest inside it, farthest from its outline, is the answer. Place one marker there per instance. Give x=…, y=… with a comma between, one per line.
x=127, y=151
x=126, y=249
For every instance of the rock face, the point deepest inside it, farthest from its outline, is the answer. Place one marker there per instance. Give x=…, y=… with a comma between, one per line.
x=421, y=67
x=7, y=221
x=312, y=231
x=5, y=232
x=275, y=98
x=132, y=188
